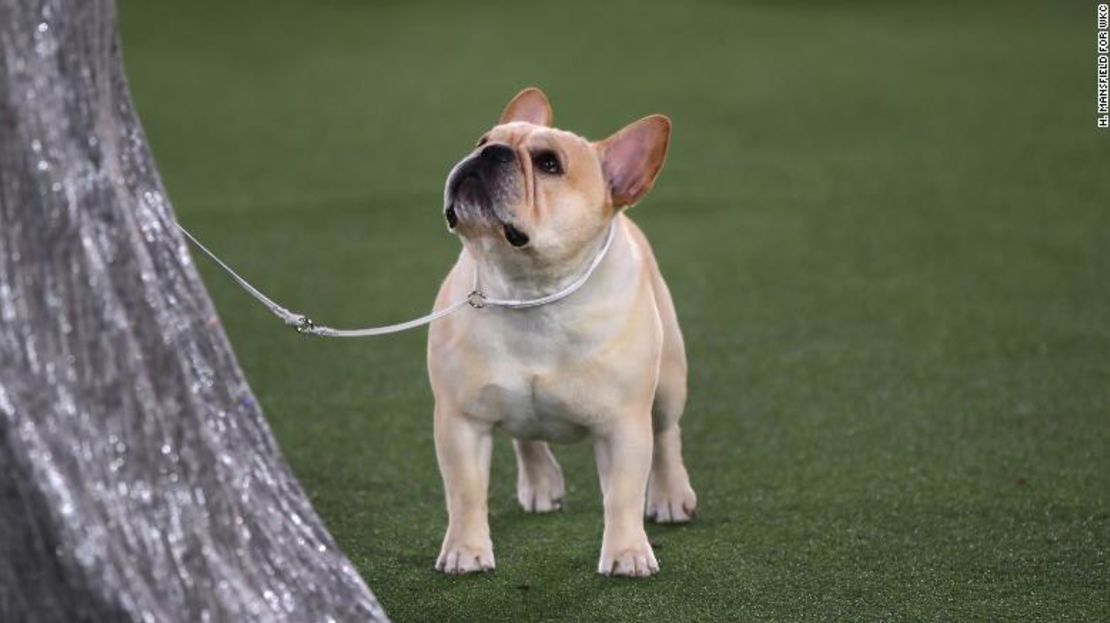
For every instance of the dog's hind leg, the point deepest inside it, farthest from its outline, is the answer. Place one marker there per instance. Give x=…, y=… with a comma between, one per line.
x=539, y=481
x=670, y=498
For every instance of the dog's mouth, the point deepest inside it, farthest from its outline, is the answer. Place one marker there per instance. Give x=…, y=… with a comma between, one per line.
x=470, y=200
x=512, y=234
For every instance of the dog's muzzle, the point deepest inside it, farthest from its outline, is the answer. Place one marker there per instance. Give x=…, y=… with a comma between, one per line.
x=476, y=188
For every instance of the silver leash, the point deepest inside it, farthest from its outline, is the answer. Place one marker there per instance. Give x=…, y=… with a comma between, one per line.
x=305, y=325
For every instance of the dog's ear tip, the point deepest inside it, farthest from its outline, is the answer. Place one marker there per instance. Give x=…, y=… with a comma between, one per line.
x=533, y=89
x=663, y=121
x=530, y=104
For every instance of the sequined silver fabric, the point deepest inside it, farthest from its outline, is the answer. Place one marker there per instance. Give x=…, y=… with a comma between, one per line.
x=138, y=478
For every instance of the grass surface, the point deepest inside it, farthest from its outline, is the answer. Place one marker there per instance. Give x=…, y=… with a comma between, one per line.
x=886, y=227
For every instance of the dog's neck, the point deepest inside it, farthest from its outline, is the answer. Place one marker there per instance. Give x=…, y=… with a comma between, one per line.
x=511, y=274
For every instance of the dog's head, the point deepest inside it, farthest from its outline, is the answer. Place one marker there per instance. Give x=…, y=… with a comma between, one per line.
x=531, y=193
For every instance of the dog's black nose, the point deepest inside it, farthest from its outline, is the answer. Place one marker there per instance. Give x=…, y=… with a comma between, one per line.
x=498, y=153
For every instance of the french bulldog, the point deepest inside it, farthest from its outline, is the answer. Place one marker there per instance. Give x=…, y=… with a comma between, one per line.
x=533, y=206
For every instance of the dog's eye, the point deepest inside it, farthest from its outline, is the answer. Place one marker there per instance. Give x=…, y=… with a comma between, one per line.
x=482, y=141
x=548, y=162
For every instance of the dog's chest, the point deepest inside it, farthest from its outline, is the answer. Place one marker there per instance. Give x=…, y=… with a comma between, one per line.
x=533, y=407
x=539, y=384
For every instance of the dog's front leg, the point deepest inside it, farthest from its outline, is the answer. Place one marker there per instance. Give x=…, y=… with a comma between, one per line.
x=463, y=447
x=623, y=455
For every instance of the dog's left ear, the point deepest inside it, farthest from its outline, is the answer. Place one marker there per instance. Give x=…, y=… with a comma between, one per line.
x=632, y=158
x=529, y=105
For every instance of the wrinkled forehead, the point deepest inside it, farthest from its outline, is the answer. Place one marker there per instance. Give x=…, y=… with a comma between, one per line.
x=523, y=134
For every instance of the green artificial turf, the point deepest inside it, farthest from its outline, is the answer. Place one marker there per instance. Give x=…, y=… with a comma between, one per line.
x=885, y=225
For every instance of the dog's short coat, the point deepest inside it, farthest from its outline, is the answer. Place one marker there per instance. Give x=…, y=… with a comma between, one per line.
x=532, y=205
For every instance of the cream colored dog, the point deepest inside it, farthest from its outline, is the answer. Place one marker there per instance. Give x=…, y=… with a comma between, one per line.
x=533, y=206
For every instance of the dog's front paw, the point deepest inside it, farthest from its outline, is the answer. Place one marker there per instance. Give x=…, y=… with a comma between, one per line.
x=457, y=558
x=636, y=561
x=671, y=504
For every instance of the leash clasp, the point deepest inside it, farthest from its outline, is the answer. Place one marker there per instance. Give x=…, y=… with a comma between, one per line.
x=476, y=299
x=304, y=325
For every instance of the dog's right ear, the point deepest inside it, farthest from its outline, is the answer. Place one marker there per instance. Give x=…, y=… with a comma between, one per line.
x=529, y=105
